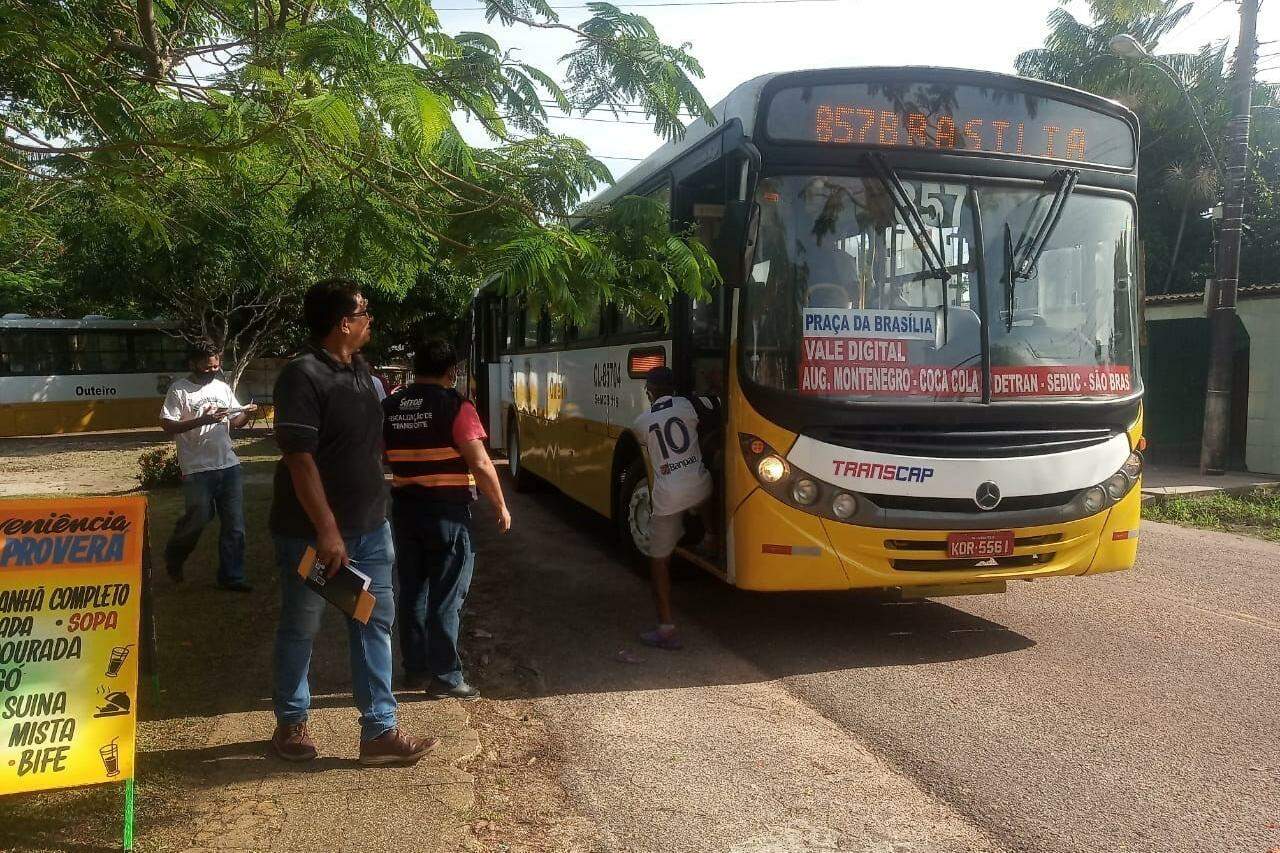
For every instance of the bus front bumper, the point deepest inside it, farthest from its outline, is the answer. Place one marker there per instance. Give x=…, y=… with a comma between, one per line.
x=777, y=548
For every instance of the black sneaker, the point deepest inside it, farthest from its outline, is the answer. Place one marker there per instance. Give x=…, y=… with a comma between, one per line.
x=235, y=586
x=442, y=690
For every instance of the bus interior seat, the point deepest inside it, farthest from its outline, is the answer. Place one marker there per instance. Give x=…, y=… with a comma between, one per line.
x=829, y=269
x=964, y=329
x=826, y=295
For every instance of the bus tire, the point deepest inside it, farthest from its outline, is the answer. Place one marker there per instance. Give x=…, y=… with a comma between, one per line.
x=633, y=510
x=521, y=479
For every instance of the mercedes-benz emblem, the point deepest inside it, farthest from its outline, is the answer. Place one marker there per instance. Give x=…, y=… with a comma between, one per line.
x=987, y=497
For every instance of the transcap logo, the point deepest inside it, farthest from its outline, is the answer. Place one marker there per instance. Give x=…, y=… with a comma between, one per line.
x=882, y=471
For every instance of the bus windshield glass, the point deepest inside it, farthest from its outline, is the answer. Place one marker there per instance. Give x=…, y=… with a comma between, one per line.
x=844, y=302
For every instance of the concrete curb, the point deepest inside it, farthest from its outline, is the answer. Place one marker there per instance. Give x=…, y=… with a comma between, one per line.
x=1164, y=494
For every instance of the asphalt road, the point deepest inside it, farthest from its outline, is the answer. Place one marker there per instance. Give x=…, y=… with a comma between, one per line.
x=1130, y=712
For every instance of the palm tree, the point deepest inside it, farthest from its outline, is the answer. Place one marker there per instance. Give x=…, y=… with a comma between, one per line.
x=1196, y=183
x=1176, y=172
x=1078, y=54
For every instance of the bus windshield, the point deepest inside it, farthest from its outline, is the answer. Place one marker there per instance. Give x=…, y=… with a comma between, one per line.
x=846, y=301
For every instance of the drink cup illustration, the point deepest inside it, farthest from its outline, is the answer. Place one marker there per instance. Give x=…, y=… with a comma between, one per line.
x=111, y=757
x=118, y=655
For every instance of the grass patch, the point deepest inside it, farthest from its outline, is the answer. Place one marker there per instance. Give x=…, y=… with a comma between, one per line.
x=1256, y=513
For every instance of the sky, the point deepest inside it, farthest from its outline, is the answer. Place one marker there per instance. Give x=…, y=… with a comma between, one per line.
x=737, y=42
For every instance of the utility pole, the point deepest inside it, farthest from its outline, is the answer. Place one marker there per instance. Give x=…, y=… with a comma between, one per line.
x=1222, y=300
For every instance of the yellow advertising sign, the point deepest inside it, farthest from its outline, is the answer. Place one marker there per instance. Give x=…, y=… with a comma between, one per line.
x=70, y=599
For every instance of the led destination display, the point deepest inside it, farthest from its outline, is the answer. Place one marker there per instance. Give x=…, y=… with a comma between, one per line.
x=949, y=117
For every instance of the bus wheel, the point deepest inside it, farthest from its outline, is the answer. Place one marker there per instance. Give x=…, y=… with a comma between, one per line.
x=520, y=478
x=634, y=509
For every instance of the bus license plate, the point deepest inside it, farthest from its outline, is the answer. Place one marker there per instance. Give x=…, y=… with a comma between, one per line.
x=982, y=544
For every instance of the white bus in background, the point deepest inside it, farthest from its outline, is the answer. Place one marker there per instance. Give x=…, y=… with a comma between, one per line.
x=63, y=376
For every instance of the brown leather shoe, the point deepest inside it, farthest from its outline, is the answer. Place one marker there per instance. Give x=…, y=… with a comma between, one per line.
x=292, y=742
x=395, y=747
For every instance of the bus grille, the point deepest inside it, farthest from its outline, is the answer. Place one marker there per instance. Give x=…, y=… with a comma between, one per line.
x=935, y=565
x=959, y=443
x=966, y=505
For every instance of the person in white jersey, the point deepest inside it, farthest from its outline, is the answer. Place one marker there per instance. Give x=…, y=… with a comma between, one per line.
x=199, y=412
x=680, y=483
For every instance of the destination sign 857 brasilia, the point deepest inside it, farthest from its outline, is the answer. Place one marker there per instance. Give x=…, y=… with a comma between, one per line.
x=70, y=596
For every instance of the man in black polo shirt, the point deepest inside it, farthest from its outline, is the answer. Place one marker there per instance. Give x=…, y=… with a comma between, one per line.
x=435, y=446
x=329, y=494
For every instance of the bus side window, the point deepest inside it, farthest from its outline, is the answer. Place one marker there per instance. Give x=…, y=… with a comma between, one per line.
x=13, y=355
x=532, y=327
x=107, y=352
x=555, y=329
x=42, y=353
x=625, y=324
x=158, y=352
x=589, y=329
x=491, y=330
x=510, y=324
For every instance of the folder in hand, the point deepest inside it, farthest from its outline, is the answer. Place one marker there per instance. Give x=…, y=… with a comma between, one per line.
x=347, y=590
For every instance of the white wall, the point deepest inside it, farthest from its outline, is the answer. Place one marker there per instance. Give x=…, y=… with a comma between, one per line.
x=1262, y=449
x=1261, y=318
x=1177, y=311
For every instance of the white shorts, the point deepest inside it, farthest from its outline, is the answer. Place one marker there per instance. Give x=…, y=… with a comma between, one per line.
x=664, y=534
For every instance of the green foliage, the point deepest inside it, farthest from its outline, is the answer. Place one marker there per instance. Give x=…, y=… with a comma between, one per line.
x=1256, y=513
x=619, y=257
x=1177, y=177
x=206, y=161
x=158, y=467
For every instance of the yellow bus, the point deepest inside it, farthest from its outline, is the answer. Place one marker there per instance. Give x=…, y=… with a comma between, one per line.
x=926, y=344
x=95, y=373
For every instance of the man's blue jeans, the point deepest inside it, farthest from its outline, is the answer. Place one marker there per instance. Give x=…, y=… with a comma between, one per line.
x=205, y=492
x=435, y=563
x=370, y=645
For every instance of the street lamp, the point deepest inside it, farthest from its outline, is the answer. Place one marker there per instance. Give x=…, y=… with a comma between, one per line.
x=1127, y=47
x=1221, y=302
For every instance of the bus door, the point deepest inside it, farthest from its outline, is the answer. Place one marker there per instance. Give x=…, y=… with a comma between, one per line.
x=490, y=374
x=700, y=349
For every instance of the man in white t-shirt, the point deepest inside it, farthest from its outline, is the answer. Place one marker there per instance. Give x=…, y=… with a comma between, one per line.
x=680, y=482
x=199, y=412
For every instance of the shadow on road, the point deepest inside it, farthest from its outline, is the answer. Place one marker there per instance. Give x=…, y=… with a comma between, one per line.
x=228, y=764
x=559, y=594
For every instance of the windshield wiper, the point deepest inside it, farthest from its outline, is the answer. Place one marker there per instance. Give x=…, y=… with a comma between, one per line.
x=931, y=254
x=1020, y=260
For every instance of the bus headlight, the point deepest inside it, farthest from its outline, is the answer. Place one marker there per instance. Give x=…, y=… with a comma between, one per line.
x=1095, y=498
x=795, y=488
x=844, y=505
x=1117, y=485
x=804, y=492
x=1113, y=489
x=771, y=469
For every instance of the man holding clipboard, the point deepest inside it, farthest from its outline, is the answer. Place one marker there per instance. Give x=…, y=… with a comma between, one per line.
x=330, y=496
x=200, y=411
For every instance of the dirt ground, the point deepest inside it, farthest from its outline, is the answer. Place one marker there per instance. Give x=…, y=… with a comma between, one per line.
x=100, y=464
x=506, y=794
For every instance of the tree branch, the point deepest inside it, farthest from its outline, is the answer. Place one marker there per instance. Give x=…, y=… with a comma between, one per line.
x=147, y=30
